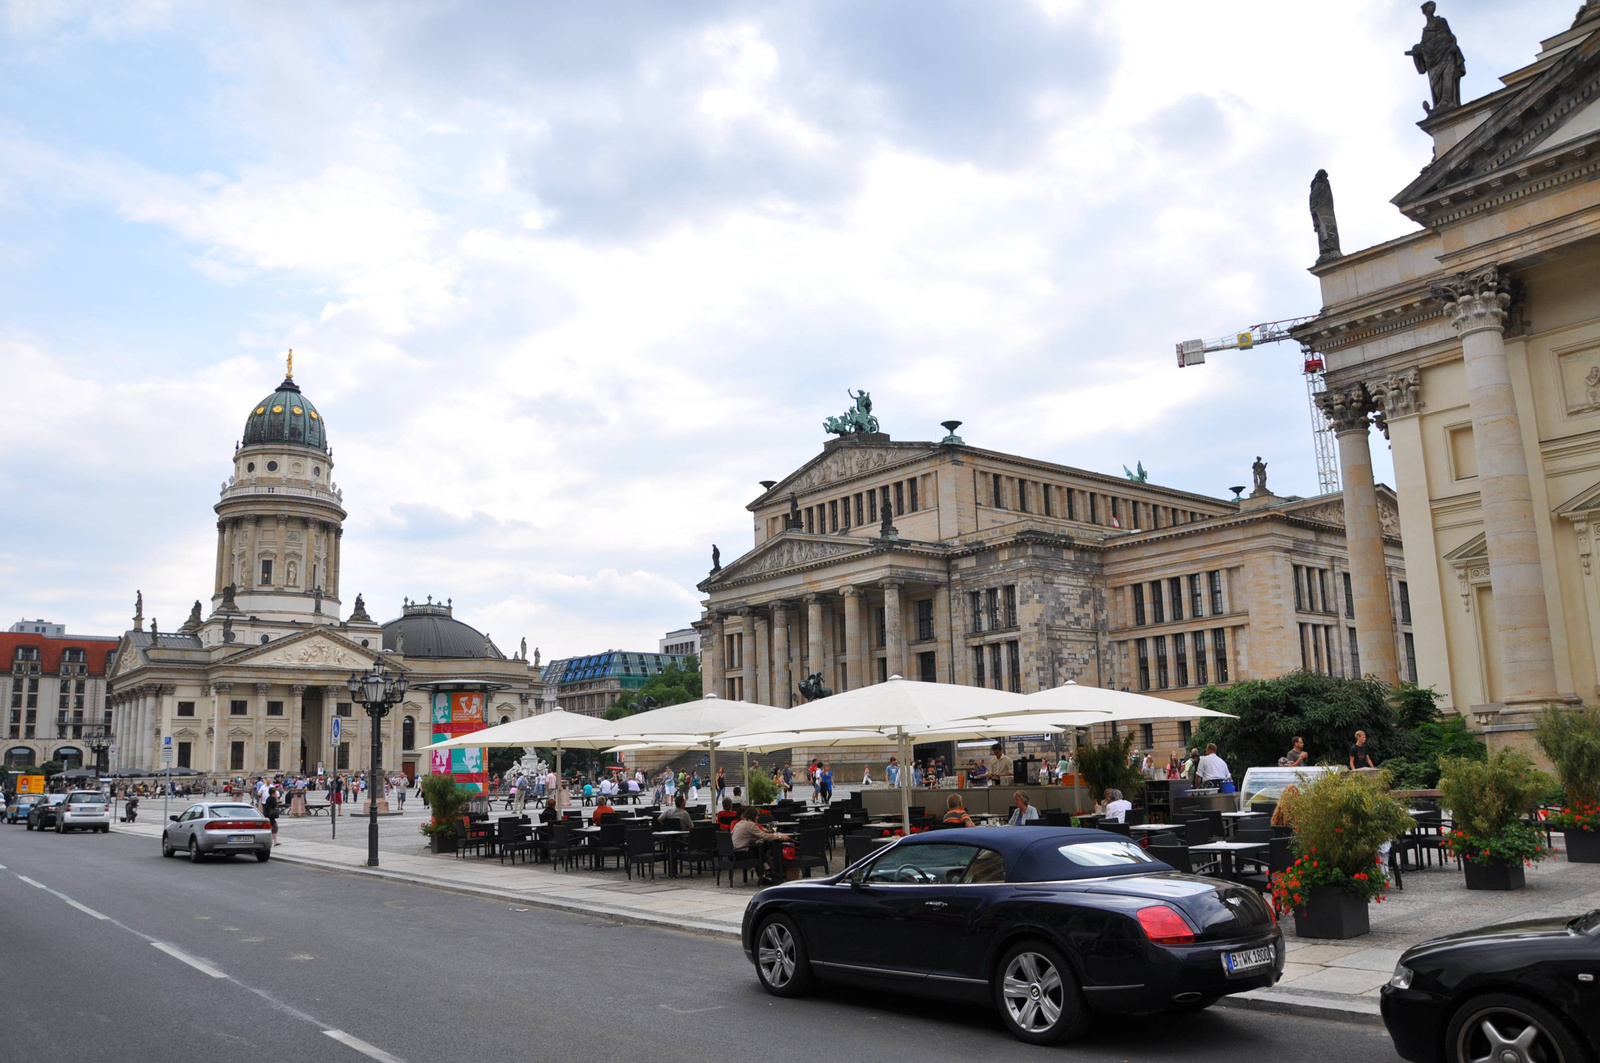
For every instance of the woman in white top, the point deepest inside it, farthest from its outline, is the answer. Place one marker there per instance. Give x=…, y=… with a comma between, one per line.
x=1023, y=812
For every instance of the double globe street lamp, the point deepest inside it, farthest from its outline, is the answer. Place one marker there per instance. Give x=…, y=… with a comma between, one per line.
x=378, y=691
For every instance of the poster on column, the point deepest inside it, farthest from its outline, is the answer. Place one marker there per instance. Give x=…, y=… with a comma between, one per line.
x=458, y=714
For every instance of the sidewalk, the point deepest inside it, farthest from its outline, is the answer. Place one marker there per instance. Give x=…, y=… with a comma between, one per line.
x=1322, y=978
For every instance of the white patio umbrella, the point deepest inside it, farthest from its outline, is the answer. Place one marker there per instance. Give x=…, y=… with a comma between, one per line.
x=560, y=729
x=1111, y=705
x=898, y=708
x=689, y=725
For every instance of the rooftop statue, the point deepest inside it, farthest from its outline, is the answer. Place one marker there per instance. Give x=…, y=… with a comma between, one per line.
x=1258, y=475
x=856, y=420
x=1137, y=474
x=1322, y=219
x=1438, y=56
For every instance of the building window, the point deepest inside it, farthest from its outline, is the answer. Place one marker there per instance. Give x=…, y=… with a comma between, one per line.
x=883, y=669
x=184, y=754
x=872, y=506
x=1355, y=655
x=1411, y=655
x=1299, y=598
x=1305, y=659
x=1157, y=612
x=266, y=573
x=833, y=516
x=1180, y=658
x=977, y=666
x=235, y=756
x=1197, y=602
x=1072, y=502
x=883, y=500
x=1185, y=731
x=1323, y=605
x=811, y=518
x=924, y=619
x=1199, y=658
x=998, y=498
x=1405, y=603
x=1142, y=652
x=1044, y=496
x=1022, y=494
x=899, y=498
x=1138, y=605
x=343, y=708
x=1116, y=512
x=1216, y=597
x=185, y=708
x=1094, y=508
x=1219, y=645
x=1349, y=598
x=1161, y=662
x=408, y=733
x=996, y=672
x=343, y=763
x=1009, y=596
x=912, y=487
x=880, y=628
x=1014, y=665
x=928, y=667
x=975, y=604
x=859, y=518
x=991, y=599
x=274, y=708
x=1147, y=736
x=274, y=755
x=238, y=708
x=1175, y=592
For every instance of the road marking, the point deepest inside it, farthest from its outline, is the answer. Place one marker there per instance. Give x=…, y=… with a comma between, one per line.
x=177, y=954
x=371, y=1051
x=84, y=908
x=29, y=881
x=690, y=1011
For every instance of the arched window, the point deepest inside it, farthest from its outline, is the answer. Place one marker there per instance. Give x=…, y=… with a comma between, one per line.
x=19, y=757
x=505, y=719
x=408, y=733
x=70, y=757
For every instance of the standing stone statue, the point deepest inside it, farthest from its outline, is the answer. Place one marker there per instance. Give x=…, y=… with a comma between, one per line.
x=1322, y=219
x=1258, y=473
x=887, y=530
x=138, y=610
x=716, y=558
x=794, y=511
x=1438, y=56
x=536, y=656
x=227, y=631
x=523, y=653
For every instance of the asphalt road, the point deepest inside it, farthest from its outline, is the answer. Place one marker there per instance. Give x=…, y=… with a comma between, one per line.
x=114, y=953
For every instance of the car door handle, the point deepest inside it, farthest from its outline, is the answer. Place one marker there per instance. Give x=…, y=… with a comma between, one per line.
x=934, y=904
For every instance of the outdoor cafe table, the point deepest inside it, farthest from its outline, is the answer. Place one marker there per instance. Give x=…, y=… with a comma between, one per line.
x=1230, y=853
x=591, y=839
x=673, y=839
x=1155, y=828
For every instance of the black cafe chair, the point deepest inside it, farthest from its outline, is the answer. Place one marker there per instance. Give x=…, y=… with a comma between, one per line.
x=640, y=848
x=730, y=859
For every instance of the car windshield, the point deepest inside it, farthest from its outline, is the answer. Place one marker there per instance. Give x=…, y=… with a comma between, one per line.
x=233, y=811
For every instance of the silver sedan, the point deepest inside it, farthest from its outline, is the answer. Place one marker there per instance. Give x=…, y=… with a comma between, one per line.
x=217, y=828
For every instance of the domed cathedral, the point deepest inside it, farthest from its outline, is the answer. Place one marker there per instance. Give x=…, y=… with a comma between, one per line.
x=255, y=687
x=280, y=519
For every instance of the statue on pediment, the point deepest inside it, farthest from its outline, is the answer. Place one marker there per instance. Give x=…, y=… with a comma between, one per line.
x=1137, y=474
x=857, y=420
x=716, y=559
x=795, y=520
x=1322, y=219
x=1258, y=475
x=227, y=631
x=1439, y=56
x=193, y=623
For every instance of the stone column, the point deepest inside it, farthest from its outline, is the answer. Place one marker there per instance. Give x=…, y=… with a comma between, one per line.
x=782, y=681
x=222, y=543
x=329, y=754
x=280, y=563
x=1477, y=304
x=716, y=658
x=296, y=728
x=894, y=629
x=220, y=692
x=1349, y=409
x=762, y=695
x=257, y=760
x=813, y=633
x=334, y=553
x=852, y=637
x=747, y=646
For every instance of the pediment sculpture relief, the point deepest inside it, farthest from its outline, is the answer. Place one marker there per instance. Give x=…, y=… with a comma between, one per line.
x=789, y=554
x=315, y=652
x=845, y=463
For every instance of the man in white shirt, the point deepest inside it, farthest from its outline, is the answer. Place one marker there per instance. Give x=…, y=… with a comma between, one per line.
x=1117, y=808
x=1212, y=768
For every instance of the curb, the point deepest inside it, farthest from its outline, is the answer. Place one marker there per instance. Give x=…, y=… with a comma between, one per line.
x=1319, y=1006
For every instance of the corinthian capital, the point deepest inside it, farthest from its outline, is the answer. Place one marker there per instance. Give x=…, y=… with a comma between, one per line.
x=1348, y=409
x=1399, y=394
x=1476, y=300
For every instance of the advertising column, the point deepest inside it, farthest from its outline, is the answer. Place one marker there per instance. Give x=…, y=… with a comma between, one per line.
x=458, y=713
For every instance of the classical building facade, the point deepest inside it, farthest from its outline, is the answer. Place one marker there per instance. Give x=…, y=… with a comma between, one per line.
x=254, y=687
x=592, y=684
x=1474, y=344
x=55, y=696
x=944, y=562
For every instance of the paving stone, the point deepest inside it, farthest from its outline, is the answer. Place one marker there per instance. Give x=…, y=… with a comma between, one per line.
x=1344, y=981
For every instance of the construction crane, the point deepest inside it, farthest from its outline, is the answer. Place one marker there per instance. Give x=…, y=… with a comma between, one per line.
x=1193, y=352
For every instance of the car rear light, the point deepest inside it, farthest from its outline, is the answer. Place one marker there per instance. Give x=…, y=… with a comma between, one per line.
x=238, y=824
x=1164, y=926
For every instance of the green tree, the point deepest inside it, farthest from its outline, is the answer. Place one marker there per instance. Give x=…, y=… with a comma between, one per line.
x=1106, y=767
x=1571, y=739
x=1324, y=710
x=673, y=685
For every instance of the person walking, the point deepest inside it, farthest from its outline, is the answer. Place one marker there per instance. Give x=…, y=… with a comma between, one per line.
x=1360, y=753
x=721, y=786
x=826, y=776
x=892, y=774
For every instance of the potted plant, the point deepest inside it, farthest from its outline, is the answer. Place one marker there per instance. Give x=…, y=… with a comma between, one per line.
x=1341, y=823
x=1488, y=799
x=1571, y=739
x=445, y=799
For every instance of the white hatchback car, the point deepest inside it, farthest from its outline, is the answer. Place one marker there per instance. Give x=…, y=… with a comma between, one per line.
x=84, y=810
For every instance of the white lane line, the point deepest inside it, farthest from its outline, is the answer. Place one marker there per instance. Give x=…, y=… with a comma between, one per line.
x=202, y=967
x=84, y=908
x=31, y=882
x=371, y=1051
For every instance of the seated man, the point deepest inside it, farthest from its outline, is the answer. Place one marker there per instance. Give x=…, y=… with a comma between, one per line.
x=728, y=816
x=602, y=808
x=750, y=836
x=676, y=817
x=1116, y=809
x=956, y=812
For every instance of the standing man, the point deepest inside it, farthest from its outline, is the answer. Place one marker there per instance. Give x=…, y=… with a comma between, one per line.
x=1360, y=755
x=1212, y=768
x=1297, y=756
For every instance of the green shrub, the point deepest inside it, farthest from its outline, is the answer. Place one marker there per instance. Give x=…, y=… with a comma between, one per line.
x=759, y=788
x=445, y=798
x=1106, y=767
x=1488, y=799
x=1571, y=739
x=1343, y=819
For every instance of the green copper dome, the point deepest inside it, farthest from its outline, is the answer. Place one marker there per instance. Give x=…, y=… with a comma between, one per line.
x=286, y=416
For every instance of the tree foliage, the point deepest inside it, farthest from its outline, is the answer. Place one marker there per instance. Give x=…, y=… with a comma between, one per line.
x=1571, y=739
x=1105, y=767
x=1342, y=818
x=760, y=789
x=1486, y=796
x=675, y=684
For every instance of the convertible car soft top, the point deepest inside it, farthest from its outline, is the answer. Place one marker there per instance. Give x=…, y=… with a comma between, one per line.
x=1051, y=854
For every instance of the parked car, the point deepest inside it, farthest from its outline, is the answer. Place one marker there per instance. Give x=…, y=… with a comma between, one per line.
x=42, y=813
x=1048, y=925
x=18, y=809
x=84, y=810
x=217, y=828
x=1519, y=991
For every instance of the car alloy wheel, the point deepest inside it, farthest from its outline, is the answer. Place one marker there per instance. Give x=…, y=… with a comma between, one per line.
x=166, y=846
x=194, y=851
x=1038, y=996
x=1507, y=1029
x=781, y=959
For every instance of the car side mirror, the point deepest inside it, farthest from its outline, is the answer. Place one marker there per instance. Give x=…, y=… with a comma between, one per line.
x=173, y=818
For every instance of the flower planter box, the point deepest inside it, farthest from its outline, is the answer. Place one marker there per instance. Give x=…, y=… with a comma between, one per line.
x=441, y=843
x=1583, y=846
x=1331, y=912
x=1493, y=875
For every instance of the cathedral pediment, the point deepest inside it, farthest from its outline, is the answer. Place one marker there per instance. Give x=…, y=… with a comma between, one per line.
x=845, y=461
x=788, y=551
x=1330, y=510
x=310, y=649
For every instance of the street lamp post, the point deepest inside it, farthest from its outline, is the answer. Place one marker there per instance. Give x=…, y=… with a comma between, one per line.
x=378, y=691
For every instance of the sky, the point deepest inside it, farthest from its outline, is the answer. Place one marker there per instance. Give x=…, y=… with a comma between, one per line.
x=568, y=280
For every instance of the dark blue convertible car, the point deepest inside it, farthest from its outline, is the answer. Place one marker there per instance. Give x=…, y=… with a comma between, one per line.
x=1047, y=924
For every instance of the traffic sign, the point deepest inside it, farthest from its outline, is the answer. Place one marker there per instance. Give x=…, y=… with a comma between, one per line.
x=336, y=730
x=166, y=750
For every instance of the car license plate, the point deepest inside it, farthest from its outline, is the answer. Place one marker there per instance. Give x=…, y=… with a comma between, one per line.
x=1247, y=959
x=240, y=839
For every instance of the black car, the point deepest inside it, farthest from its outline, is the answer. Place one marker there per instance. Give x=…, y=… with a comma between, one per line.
x=1515, y=993
x=1047, y=924
x=43, y=812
